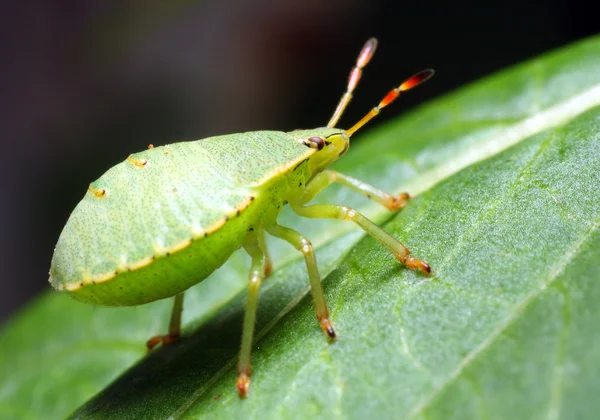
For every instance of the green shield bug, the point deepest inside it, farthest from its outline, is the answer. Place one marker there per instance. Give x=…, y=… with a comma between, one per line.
x=166, y=218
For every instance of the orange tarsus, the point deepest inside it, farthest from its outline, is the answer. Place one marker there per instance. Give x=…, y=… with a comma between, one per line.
x=164, y=339
x=242, y=384
x=417, y=264
x=327, y=327
x=150, y=146
x=398, y=202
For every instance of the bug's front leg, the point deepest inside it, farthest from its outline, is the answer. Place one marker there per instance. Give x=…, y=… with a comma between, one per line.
x=303, y=245
x=327, y=177
x=257, y=273
x=174, y=325
x=331, y=211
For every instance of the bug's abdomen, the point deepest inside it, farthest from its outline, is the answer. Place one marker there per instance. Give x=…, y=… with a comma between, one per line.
x=151, y=227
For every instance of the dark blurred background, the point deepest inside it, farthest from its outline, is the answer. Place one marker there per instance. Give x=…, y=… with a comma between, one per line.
x=83, y=83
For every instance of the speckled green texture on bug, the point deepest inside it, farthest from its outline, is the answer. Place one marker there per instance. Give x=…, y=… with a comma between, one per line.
x=166, y=218
x=155, y=228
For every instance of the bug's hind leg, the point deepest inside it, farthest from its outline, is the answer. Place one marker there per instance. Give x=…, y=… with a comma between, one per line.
x=330, y=211
x=257, y=273
x=174, y=325
x=303, y=245
x=262, y=242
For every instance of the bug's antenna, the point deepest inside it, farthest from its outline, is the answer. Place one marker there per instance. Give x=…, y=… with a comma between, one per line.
x=363, y=59
x=408, y=84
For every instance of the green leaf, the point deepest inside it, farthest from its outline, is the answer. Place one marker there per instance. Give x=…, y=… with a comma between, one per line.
x=506, y=174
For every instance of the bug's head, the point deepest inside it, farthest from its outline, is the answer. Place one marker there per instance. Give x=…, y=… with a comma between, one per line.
x=339, y=138
x=329, y=144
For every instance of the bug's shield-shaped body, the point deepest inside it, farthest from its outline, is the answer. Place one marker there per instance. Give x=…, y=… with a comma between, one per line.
x=165, y=218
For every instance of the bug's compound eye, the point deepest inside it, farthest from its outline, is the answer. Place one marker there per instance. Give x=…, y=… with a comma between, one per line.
x=315, y=143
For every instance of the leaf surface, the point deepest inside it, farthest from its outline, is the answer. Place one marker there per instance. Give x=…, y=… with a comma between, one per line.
x=506, y=174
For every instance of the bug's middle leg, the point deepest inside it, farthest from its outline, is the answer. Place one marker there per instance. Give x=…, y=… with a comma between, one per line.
x=174, y=325
x=327, y=177
x=303, y=245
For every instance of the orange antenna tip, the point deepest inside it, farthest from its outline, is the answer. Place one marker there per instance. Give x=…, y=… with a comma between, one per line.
x=410, y=83
x=416, y=79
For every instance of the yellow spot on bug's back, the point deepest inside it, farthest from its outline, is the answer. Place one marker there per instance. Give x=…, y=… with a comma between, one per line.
x=140, y=163
x=98, y=192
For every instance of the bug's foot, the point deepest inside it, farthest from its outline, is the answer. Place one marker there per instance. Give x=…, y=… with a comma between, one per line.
x=327, y=328
x=242, y=384
x=417, y=264
x=398, y=202
x=158, y=339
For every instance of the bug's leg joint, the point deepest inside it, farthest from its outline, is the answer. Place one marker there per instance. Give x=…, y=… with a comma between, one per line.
x=397, y=202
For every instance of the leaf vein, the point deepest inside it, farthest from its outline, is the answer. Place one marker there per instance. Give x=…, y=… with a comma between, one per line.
x=513, y=315
x=493, y=204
